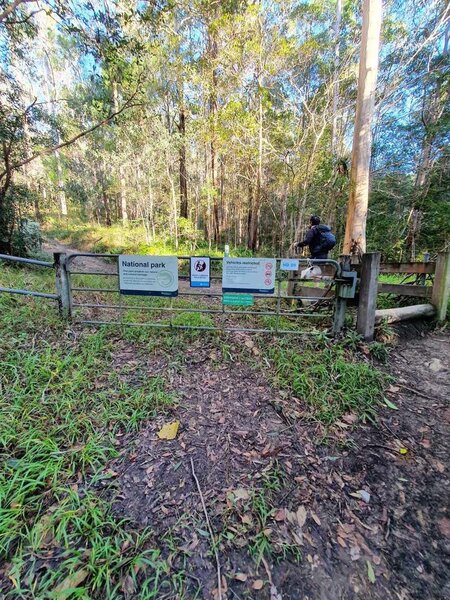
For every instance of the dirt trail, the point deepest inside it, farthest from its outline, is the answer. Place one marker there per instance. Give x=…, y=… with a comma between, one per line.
x=233, y=427
x=87, y=263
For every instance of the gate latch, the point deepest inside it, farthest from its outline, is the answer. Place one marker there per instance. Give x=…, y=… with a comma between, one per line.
x=347, y=284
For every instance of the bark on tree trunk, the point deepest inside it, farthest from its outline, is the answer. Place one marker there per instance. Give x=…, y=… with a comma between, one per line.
x=434, y=103
x=355, y=231
x=337, y=27
x=183, y=174
x=52, y=94
x=122, y=190
x=61, y=193
x=213, y=50
x=174, y=201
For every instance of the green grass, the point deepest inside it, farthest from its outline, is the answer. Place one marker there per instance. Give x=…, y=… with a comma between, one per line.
x=328, y=378
x=63, y=408
x=130, y=240
x=251, y=518
x=65, y=402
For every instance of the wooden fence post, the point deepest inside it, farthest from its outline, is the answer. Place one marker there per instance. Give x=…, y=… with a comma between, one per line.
x=441, y=285
x=368, y=289
x=63, y=285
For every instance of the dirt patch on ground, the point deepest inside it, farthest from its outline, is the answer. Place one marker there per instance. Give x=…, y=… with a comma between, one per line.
x=82, y=263
x=361, y=517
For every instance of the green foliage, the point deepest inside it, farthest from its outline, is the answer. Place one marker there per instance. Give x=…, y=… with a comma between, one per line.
x=23, y=235
x=330, y=380
x=379, y=351
x=61, y=410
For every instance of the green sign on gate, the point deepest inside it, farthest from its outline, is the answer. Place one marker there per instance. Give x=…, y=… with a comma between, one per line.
x=238, y=299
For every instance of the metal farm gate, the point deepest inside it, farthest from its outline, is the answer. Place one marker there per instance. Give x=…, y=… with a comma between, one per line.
x=95, y=299
x=88, y=293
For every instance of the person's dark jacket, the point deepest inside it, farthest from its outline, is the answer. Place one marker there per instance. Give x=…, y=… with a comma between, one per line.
x=313, y=241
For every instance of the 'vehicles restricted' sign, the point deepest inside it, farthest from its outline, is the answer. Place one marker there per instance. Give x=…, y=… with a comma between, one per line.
x=253, y=275
x=148, y=275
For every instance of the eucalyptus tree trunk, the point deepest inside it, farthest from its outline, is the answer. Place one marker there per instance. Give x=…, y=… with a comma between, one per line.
x=122, y=190
x=355, y=231
x=52, y=94
x=337, y=28
x=182, y=160
x=255, y=198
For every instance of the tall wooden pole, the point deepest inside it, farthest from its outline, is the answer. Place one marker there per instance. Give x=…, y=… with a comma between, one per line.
x=355, y=231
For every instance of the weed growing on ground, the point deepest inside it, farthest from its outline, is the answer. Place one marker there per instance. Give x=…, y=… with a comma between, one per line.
x=250, y=522
x=379, y=351
x=63, y=410
x=329, y=379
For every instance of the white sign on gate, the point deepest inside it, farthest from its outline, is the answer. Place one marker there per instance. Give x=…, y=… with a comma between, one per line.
x=200, y=271
x=252, y=275
x=148, y=275
x=289, y=264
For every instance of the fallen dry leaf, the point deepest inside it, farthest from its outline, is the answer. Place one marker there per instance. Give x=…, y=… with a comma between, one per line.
x=71, y=582
x=241, y=494
x=355, y=553
x=301, y=515
x=128, y=586
x=315, y=518
x=274, y=593
x=169, y=431
x=247, y=519
x=439, y=466
x=258, y=584
x=350, y=418
x=444, y=526
x=280, y=515
x=241, y=576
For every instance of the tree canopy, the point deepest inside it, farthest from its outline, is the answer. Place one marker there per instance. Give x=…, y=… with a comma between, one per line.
x=233, y=118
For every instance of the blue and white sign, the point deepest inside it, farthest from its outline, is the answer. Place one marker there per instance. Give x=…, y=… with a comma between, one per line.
x=200, y=271
x=148, y=275
x=289, y=264
x=251, y=275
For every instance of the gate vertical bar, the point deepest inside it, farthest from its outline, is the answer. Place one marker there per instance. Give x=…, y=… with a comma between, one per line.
x=340, y=302
x=368, y=290
x=63, y=285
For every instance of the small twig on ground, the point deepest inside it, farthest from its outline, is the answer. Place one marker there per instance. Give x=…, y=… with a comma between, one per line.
x=274, y=593
x=287, y=494
x=211, y=534
x=267, y=568
x=413, y=391
x=380, y=446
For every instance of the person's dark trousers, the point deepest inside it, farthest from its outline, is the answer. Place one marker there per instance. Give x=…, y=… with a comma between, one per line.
x=320, y=256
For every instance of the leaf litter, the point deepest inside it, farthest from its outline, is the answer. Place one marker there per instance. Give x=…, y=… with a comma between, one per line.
x=273, y=484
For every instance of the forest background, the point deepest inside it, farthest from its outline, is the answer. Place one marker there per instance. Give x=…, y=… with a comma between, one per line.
x=209, y=122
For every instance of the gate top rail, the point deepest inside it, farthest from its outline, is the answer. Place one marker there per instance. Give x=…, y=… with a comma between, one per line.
x=28, y=261
x=302, y=261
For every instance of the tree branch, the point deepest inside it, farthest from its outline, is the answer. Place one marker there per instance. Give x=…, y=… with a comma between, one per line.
x=27, y=18
x=9, y=9
x=72, y=140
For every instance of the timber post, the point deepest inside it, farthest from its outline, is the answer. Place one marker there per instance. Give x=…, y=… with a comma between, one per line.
x=440, y=294
x=368, y=289
x=63, y=285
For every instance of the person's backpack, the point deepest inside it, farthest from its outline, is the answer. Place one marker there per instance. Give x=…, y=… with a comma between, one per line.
x=327, y=240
